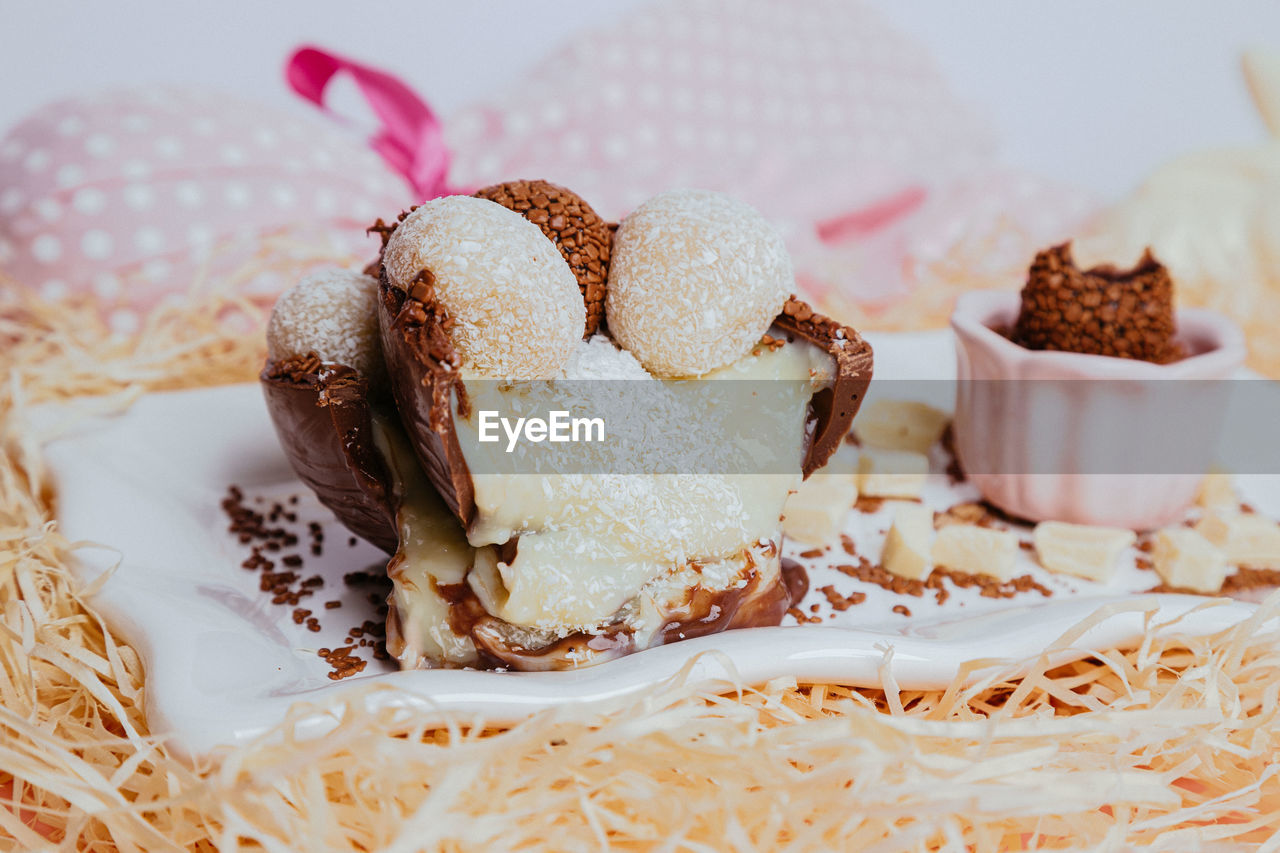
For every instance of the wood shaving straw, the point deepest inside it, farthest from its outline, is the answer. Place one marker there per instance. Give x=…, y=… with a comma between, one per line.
x=1169, y=745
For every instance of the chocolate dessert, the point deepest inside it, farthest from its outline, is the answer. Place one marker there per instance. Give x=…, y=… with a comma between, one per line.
x=501, y=568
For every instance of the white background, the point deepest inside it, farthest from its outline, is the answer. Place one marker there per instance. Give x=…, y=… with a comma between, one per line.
x=1095, y=92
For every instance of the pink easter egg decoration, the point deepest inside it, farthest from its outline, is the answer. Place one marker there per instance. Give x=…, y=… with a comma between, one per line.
x=129, y=196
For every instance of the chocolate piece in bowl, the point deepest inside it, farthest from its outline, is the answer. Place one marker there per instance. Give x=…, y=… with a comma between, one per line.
x=1098, y=464
x=583, y=238
x=1099, y=311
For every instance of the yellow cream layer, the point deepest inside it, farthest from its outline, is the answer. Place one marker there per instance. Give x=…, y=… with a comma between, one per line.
x=588, y=542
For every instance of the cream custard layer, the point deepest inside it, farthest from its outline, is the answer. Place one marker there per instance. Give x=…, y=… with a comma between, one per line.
x=599, y=551
x=588, y=542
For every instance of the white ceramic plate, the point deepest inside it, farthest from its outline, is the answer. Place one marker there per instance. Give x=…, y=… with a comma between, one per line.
x=224, y=664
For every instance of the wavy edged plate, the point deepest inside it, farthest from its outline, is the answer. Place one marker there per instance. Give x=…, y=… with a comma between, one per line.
x=224, y=664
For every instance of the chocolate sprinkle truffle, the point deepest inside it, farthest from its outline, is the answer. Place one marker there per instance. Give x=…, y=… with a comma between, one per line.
x=1098, y=311
x=583, y=238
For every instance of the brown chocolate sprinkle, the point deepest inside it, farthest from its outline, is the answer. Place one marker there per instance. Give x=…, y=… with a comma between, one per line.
x=342, y=661
x=771, y=343
x=1099, y=311
x=868, y=504
x=902, y=609
x=583, y=238
x=803, y=618
x=288, y=587
x=812, y=553
x=1245, y=579
x=988, y=587
x=841, y=602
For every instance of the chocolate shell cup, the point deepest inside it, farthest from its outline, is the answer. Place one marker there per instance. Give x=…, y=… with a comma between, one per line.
x=831, y=410
x=324, y=421
x=424, y=379
x=423, y=370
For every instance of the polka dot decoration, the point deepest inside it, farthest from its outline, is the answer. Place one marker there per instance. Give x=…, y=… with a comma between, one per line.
x=819, y=114
x=128, y=196
x=776, y=103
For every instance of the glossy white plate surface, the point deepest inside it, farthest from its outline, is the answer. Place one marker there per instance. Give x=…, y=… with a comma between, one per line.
x=224, y=664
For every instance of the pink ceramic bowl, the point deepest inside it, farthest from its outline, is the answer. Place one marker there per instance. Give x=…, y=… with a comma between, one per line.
x=1050, y=448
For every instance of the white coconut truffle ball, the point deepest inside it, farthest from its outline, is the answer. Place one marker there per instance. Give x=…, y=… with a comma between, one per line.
x=333, y=313
x=695, y=280
x=516, y=308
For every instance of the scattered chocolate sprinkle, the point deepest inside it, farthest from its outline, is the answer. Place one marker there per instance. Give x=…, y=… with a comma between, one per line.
x=812, y=553
x=1247, y=578
x=902, y=608
x=263, y=532
x=344, y=664
x=868, y=504
x=800, y=616
x=841, y=602
x=988, y=586
x=771, y=343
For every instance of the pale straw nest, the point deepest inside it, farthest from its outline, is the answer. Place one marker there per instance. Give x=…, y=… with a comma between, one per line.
x=1169, y=746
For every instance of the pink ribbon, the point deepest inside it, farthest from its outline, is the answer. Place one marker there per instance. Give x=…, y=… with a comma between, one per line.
x=867, y=220
x=410, y=140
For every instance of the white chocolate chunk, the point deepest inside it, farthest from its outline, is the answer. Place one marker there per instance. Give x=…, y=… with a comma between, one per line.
x=1247, y=539
x=1216, y=492
x=891, y=473
x=910, y=541
x=1081, y=550
x=815, y=513
x=977, y=550
x=900, y=425
x=1184, y=559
